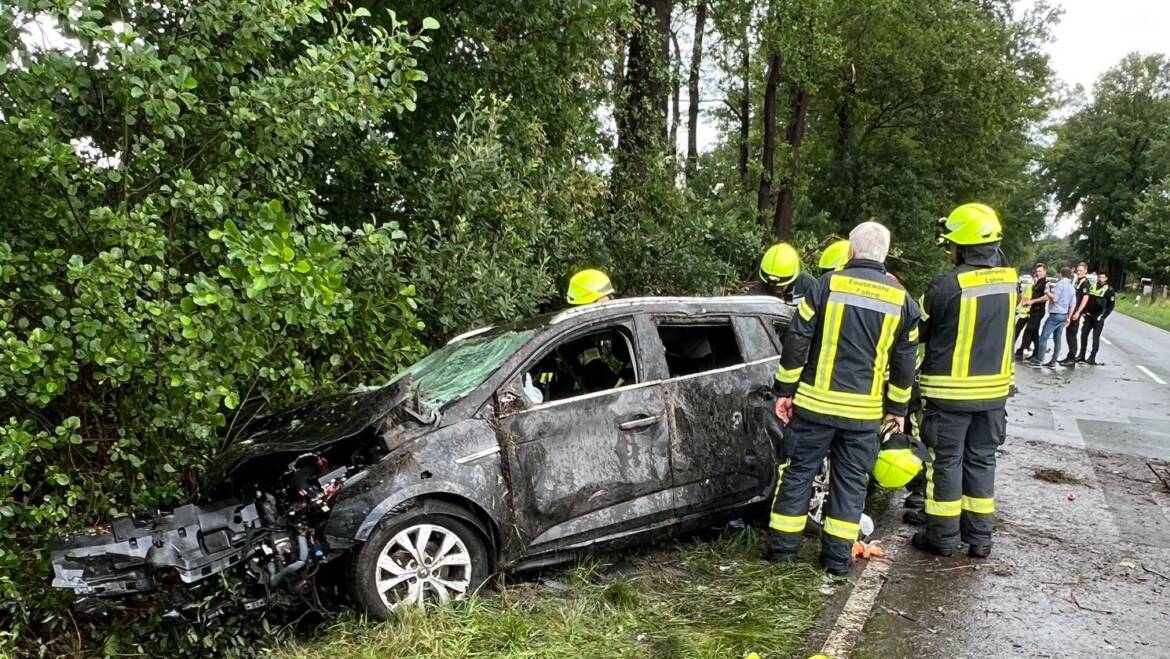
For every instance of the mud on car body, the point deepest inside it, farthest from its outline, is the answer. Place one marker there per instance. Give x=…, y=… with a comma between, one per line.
x=509, y=448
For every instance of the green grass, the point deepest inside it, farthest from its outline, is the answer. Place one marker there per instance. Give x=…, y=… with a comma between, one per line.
x=696, y=599
x=1155, y=314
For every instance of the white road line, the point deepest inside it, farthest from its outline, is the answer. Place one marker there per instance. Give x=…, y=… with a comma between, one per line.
x=1150, y=373
x=857, y=608
x=1107, y=341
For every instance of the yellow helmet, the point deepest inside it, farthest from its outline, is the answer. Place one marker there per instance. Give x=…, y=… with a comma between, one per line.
x=900, y=458
x=971, y=224
x=588, y=286
x=835, y=256
x=780, y=265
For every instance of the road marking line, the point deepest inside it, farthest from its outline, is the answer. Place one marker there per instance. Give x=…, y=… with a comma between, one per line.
x=1107, y=341
x=858, y=607
x=1150, y=373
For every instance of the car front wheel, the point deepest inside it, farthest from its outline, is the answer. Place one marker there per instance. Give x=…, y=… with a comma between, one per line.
x=416, y=559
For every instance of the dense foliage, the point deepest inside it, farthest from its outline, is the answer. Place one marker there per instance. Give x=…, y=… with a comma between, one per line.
x=212, y=211
x=1111, y=167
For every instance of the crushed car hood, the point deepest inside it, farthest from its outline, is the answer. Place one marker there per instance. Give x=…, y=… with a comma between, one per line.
x=310, y=426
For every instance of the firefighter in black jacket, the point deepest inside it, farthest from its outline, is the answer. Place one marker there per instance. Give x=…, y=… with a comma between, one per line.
x=1101, y=299
x=967, y=373
x=833, y=393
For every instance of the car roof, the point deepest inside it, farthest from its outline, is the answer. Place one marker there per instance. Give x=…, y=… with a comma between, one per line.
x=726, y=304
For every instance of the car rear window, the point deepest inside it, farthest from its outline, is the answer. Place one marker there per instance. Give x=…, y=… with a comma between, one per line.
x=698, y=347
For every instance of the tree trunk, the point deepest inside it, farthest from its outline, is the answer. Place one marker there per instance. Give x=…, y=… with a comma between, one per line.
x=675, y=94
x=693, y=90
x=745, y=107
x=786, y=201
x=642, y=111
x=768, y=155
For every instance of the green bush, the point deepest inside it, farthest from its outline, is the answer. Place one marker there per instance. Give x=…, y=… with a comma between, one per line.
x=165, y=269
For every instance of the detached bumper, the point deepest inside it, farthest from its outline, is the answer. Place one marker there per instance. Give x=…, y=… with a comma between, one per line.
x=193, y=541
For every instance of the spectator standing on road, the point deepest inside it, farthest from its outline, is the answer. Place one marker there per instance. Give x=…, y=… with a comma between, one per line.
x=1101, y=299
x=1081, y=286
x=1037, y=296
x=1060, y=309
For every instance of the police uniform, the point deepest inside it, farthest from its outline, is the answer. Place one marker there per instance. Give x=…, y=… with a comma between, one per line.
x=967, y=371
x=1101, y=300
x=858, y=327
x=1081, y=286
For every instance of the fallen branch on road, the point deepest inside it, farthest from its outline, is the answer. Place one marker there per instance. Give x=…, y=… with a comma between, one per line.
x=1164, y=477
x=1143, y=566
x=1089, y=608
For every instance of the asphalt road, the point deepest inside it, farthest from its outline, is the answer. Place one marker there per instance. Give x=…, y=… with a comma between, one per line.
x=1080, y=568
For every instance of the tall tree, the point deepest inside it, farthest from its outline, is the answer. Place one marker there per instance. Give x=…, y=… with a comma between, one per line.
x=1111, y=152
x=643, y=109
x=693, y=89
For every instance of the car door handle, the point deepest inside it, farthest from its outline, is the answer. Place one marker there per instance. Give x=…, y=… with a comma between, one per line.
x=642, y=421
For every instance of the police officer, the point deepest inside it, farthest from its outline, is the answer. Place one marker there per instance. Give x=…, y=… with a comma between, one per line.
x=781, y=276
x=1081, y=286
x=967, y=372
x=833, y=393
x=1100, y=305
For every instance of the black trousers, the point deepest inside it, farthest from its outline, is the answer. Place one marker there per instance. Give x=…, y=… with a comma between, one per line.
x=1092, y=324
x=851, y=455
x=1021, y=323
x=960, y=482
x=1070, y=336
x=1032, y=333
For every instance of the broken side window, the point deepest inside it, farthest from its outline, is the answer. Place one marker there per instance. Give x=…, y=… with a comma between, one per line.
x=694, y=348
x=595, y=362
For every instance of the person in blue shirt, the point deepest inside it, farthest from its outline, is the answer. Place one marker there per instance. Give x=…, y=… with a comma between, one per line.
x=1060, y=308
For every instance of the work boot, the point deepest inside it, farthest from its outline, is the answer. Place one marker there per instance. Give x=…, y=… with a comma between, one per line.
x=1069, y=361
x=774, y=555
x=979, y=551
x=922, y=542
x=914, y=501
x=1093, y=362
x=914, y=517
x=835, y=569
x=1081, y=360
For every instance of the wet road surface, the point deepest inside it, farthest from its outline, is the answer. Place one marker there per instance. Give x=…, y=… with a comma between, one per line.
x=1080, y=568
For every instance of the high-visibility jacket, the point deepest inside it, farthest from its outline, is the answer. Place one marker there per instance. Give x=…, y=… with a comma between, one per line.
x=1101, y=300
x=968, y=329
x=849, y=355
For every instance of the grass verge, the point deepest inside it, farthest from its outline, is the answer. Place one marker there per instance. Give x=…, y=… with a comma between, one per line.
x=695, y=599
x=1155, y=314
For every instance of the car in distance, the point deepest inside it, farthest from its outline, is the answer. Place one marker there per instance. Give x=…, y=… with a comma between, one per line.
x=509, y=448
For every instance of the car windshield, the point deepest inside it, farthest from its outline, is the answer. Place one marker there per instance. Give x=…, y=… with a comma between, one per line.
x=453, y=370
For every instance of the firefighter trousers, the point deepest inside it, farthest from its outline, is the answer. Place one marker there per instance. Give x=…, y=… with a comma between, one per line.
x=851, y=455
x=960, y=482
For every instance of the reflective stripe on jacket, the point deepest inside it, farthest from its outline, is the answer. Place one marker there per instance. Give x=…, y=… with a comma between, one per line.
x=968, y=331
x=849, y=355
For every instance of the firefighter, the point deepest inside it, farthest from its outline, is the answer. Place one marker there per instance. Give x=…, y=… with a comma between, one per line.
x=834, y=257
x=1101, y=300
x=967, y=371
x=589, y=286
x=781, y=276
x=833, y=391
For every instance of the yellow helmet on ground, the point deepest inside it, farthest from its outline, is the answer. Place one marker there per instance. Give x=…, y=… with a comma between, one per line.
x=900, y=458
x=780, y=265
x=835, y=256
x=588, y=286
x=972, y=224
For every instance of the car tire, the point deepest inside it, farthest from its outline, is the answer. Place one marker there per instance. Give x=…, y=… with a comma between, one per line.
x=386, y=573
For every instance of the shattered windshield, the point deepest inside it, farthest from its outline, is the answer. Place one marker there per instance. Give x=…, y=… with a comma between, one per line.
x=453, y=370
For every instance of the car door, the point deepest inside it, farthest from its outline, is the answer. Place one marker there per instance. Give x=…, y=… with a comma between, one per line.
x=720, y=372
x=586, y=465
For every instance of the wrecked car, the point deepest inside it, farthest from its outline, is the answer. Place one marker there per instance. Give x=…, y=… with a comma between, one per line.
x=510, y=448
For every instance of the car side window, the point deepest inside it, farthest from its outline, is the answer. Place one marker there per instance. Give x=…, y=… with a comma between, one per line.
x=697, y=347
x=597, y=361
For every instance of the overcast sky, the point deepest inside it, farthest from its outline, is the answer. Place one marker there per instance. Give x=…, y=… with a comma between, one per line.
x=1093, y=35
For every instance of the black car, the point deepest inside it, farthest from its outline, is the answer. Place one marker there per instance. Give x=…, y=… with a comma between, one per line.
x=510, y=448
